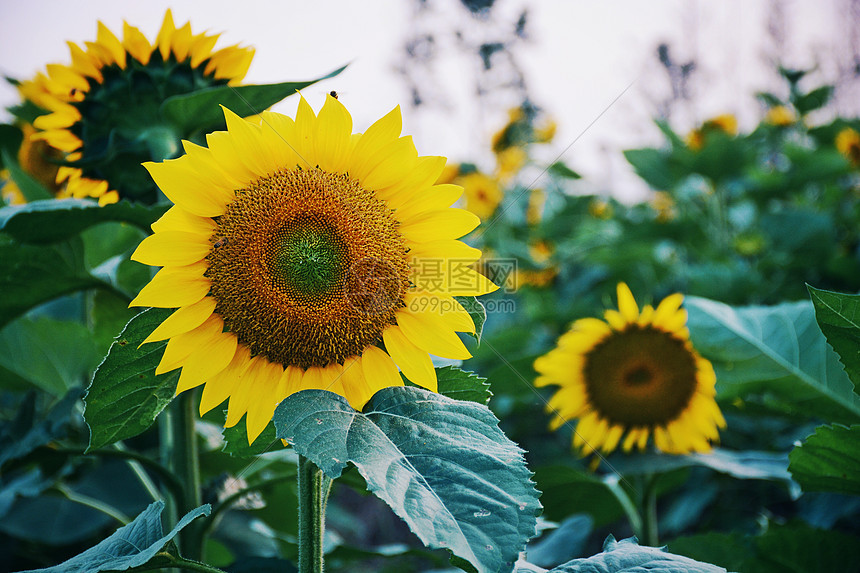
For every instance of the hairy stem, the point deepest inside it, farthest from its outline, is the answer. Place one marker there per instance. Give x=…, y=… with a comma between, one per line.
x=314, y=488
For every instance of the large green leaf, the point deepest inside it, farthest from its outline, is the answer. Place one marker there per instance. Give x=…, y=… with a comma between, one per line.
x=777, y=351
x=30, y=275
x=828, y=460
x=628, y=556
x=126, y=396
x=56, y=219
x=199, y=111
x=53, y=355
x=838, y=315
x=442, y=465
x=132, y=545
x=780, y=549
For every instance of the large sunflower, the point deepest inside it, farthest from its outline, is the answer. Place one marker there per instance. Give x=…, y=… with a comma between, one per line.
x=633, y=376
x=104, y=106
x=301, y=255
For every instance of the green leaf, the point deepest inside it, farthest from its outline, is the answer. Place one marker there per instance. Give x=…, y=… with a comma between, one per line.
x=476, y=310
x=459, y=384
x=838, y=316
x=828, y=460
x=31, y=189
x=10, y=141
x=777, y=351
x=729, y=550
x=200, y=111
x=802, y=549
x=744, y=464
x=126, y=396
x=132, y=545
x=29, y=430
x=236, y=441
x=780, y=549
x=56, y=219
x=628, y=556
x=813, y=100
x=442, y=465
x=567, y=491
x=30, y=275
x=53, y=355
x=560, y=169
x=652, y=165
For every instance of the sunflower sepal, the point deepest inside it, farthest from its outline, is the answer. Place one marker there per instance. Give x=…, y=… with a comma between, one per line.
x=462, y=467
x=200, y=112
x=126, y=395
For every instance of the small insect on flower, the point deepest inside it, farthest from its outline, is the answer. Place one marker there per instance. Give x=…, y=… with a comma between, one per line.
x=333, y=94
x=222, y=241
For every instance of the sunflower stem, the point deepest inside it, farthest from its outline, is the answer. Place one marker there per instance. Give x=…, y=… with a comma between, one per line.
x=186, y=463
x=314, y=487
x=649, y=512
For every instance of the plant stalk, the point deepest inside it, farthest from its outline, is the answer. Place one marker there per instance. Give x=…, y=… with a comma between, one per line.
x=649, y=512
x=314, y=488
x=186, y=464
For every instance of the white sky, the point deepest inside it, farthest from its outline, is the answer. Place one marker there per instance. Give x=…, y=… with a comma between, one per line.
x=580, y=56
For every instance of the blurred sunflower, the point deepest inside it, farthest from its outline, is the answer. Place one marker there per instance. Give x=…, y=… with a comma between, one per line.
x=780, y=116
x=483, y=194
x=295, y=253
x=725, y=123
x=848, y=144
x=105, y=106
x=633, y=376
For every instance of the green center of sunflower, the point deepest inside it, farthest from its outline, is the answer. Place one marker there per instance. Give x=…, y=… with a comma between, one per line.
x=641, y=376
x=121, y=125
x=307, y=267
x=309, y=259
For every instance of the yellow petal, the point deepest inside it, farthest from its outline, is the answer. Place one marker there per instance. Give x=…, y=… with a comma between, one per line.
x=172, y=287
x=379, y=370
x=435, y=197
x=109, y=41
x=183, y=184
x=181, y=346
x=165, y=35
x=242, y=395
x=263, y=400
x=83, y=63
x=178, y=219
x=211, y=357
x=356, y=390
x=333, y=135
x=439, y=224
x=247, y=141
x=222, y=384
x=369, y=147
x=172, y=248
x=432, y=334
x=136, y=43
x=183, y=319
x=414, y=362
x=442, y=305
x=396, y=161
x=627, y=304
